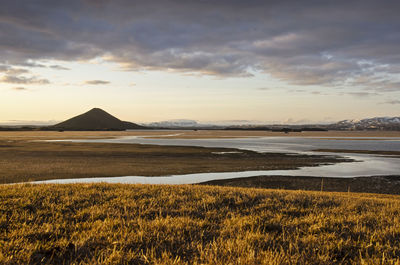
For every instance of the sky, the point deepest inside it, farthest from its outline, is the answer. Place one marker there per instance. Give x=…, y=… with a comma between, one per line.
x=226, y=61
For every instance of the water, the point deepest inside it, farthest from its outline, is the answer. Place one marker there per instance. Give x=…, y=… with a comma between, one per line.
x=366, y=165
x=268, y=144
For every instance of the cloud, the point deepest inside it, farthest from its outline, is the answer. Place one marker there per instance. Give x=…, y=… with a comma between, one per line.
x=15, y=79
x=4, y=68
x=392, y=102
x=297, y=91
x=30, y=63
x=19, y=88
x=97, y=82
x=300, y=42
x=58, y=67
x=264, y=88
x=16, y=71
x=11, y=70
x=361, y=94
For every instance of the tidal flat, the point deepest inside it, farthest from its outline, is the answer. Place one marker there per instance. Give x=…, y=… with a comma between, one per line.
x=26, y=160
x=370, y=184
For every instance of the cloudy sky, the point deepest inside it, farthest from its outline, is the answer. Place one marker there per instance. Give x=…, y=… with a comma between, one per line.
x=270, y=61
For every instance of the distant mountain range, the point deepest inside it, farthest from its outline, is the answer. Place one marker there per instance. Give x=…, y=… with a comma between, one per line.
x=173, y=123
x=95, y=120
x=98, y=120
x=377, y=123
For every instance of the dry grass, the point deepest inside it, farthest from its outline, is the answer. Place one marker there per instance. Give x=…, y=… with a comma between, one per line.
x=21, y=160
x=140, y=224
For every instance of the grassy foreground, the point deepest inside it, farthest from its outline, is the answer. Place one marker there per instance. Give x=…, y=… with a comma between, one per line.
x=141, y=224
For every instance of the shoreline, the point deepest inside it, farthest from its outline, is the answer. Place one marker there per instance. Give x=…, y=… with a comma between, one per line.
x=389, y=184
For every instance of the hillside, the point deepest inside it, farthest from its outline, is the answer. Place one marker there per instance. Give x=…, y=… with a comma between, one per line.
x=149, y=224
x=95, y=120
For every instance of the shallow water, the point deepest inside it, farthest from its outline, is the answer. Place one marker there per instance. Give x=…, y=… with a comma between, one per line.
x=366, y=165
x=268, y=144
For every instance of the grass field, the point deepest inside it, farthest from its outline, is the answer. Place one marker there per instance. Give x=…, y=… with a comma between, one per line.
x=23, y=160
x=142, y=224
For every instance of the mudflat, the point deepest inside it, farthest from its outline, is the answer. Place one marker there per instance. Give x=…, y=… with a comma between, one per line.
x=371, y=152
x=25, y=160
x=373, y=184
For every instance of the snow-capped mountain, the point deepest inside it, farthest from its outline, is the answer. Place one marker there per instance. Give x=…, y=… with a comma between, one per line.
x=377, y=123
x=174, y=123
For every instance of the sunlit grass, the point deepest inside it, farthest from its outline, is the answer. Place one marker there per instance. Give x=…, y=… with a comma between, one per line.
x=141, y=224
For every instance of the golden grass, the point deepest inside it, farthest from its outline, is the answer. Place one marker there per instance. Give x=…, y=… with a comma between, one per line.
x=21, y=160
x=141, y=224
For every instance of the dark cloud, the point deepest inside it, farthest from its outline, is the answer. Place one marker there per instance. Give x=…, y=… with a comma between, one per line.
x=58, y=67
x=97, y=82
x=31, y=64
x=15, y=79
x=335, y=43
x=4, y=68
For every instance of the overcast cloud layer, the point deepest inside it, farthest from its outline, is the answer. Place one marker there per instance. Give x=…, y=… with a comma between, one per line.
x=330, y=43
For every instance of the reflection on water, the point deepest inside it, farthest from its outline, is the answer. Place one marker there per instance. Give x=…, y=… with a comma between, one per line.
x=367, y=165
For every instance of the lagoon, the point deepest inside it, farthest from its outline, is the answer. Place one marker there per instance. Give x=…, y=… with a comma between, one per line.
x=364, y=165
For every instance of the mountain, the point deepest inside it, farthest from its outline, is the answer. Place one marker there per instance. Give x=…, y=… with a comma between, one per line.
x=95, y=120
x=174, y=123
x=377, y=123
